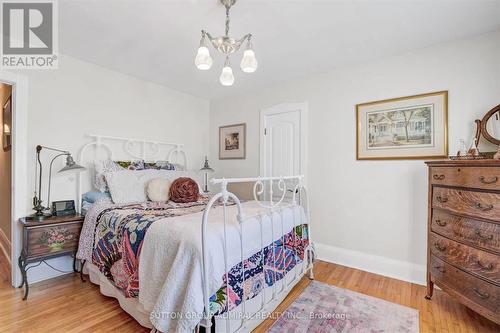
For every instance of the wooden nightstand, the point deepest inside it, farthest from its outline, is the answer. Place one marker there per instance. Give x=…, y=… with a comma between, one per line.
x=54, y=237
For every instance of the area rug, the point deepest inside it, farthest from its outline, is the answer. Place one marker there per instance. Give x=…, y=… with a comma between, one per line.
x=324, y=308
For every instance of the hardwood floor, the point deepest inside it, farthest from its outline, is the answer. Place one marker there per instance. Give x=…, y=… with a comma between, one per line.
x=65, y=304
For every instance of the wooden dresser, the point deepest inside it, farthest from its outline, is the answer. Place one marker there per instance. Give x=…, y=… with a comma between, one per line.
x=463, y=247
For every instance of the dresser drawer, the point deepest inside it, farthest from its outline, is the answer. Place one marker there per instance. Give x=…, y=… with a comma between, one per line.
x=483, y=264
x=481, y=234
x=479, y=294
x=479, y=177
x=472, y=203
x=51, y=239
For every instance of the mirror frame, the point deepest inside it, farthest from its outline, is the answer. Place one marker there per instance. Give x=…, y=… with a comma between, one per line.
x=481, y=126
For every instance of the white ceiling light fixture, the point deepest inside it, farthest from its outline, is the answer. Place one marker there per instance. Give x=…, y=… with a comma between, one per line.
x=226, y=45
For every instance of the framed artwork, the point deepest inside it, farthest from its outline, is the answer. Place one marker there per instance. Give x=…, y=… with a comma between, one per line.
x=7, y=125
x=232, y=142
x=413, y=127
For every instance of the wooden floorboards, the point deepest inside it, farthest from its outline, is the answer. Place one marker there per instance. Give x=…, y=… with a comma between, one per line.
x=65, y=304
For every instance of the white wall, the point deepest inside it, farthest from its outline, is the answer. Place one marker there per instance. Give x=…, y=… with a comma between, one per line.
x=369, y=214
x=81, y=98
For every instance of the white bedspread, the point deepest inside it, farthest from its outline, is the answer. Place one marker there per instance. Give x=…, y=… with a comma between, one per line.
x=170, y=271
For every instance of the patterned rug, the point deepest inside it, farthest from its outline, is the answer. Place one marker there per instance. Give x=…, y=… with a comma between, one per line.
x=324, y=308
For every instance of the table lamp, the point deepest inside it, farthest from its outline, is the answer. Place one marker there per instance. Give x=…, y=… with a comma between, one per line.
x=206, y=170
x=39, y=209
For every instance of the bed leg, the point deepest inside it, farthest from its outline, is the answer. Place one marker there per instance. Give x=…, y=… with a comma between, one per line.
x=311, y=273
x=310, y=258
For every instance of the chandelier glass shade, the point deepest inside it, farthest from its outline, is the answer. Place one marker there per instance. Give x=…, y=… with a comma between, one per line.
x=227, y=46
x=203, y=59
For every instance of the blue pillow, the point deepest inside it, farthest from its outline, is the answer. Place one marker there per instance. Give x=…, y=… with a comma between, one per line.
x=93, y=196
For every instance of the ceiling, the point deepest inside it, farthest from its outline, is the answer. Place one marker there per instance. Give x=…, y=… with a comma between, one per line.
x=157, y=40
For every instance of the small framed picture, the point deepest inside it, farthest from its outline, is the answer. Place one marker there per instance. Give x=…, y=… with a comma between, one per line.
x=232, y=142
x=7, y=125
x=412, y=127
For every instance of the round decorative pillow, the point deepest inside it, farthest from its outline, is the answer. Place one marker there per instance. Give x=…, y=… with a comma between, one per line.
x=158, y=189
x=184, y=190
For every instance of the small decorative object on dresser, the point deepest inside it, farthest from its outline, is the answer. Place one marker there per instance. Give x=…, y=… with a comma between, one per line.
x=463, y=248
x=413, y=127
x=47, y=239
x=232, y=142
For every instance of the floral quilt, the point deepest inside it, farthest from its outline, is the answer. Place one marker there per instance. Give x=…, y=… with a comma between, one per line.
x=263, y=269
x=119, y=236
x=120, y=232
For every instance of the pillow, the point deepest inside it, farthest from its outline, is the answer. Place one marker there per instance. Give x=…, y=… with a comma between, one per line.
x=129, y=186
x=93, y=196
x=160, y=165
x=100, y=169
x=126, y=186
x=132, y=165
x=158, y=189
x=142, y=165
x=184, y=190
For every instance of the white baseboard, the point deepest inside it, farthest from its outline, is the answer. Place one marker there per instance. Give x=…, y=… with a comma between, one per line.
x=397, y=269
x=5, y=246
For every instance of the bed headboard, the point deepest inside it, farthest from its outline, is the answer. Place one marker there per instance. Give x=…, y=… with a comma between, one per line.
x=104, y=147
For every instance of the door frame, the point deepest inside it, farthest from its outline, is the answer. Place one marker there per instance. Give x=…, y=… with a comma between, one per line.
x=303, y=108
x=19, y=174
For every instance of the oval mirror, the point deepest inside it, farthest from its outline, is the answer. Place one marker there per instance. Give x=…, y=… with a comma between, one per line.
x=490, y=125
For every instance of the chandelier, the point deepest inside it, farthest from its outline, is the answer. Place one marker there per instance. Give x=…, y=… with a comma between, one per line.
x=227, y=46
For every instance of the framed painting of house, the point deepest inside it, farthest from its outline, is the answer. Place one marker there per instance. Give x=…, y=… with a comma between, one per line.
x=412, y=127
x=232, y=142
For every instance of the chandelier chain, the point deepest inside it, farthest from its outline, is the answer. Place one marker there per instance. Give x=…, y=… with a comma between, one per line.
x=228, y=20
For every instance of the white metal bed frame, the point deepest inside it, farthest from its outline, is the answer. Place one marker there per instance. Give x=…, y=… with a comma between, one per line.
x=151, y=150
x=269, y=208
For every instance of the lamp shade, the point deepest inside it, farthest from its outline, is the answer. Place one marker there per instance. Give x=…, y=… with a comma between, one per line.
x=249, y=62
x=203, y=60
x=227, y=77
x=71, y=165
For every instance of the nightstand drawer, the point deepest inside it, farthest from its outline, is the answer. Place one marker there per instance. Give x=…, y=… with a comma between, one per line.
x=47, y=240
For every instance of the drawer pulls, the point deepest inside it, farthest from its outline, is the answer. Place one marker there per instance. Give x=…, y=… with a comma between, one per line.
x=481, y=294
x=441, y=223
x=441, y=199
x=488, y=267
x=440, y=247
x=483, y=208
x=482, y=179
x=478, y=234
x=493, y=180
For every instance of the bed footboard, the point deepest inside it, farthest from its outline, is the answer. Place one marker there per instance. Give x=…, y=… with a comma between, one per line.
x=274, y=196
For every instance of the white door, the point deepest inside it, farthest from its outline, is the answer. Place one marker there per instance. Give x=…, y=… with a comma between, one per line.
x=283, y=142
